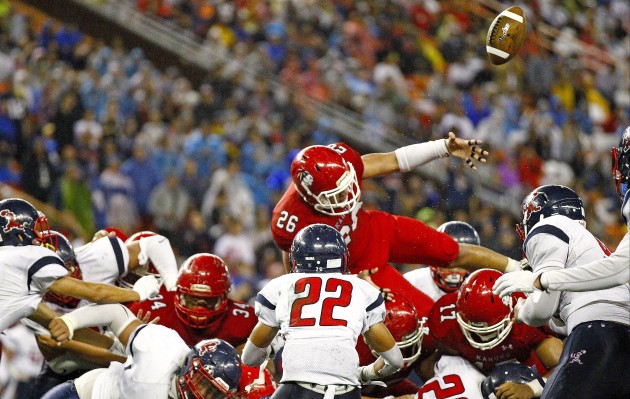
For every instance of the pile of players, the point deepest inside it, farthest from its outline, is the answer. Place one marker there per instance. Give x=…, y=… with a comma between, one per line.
x=343, y=317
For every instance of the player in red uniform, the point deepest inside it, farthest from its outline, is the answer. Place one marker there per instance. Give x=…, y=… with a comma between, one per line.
x=327, y=189
x=199, y=308
x=409, y=331
x=477, y=325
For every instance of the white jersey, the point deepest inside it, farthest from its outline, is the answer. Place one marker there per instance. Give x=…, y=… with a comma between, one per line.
x=155, y=353
x=454, y=378
x=605, y=273
x=25, y=275
x=321, y=316
x=26, y=360
x=422, y=280
x=103, y=261
x=559, y=242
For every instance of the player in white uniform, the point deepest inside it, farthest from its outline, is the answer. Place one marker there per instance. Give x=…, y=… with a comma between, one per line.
x=438, y=281
x=454, y=378
x=159, y=363
x=600, y=274
x=594, y=360
x=29, y=270
x=321, y=311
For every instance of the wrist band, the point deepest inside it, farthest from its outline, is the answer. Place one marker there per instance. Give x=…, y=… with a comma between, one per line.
x=412, y=156
x=537, y=386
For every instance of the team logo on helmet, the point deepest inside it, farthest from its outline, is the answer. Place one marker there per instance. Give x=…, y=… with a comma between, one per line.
x=12, y=222
x=530, y=208
x=306, y=179
x=208, y=347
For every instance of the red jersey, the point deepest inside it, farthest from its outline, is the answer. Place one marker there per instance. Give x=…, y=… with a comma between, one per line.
x=519, y=345
x=235, y=326
x=374, y=238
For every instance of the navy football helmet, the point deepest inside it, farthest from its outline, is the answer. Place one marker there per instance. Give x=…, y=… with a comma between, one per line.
x=21, y=224
x=66, y=253
x=450, y=279
x=621, y=163
x=318, y=248
x=549, y=200
x=509, y=372
x=211, y=370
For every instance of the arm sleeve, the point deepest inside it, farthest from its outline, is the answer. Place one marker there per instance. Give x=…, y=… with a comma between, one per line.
x=158, y=249
x=545, y=252
x=116, y=316
x=45, y=271
x=265, y=305
x=601, y=274
x=375, y=309
x=539, y=307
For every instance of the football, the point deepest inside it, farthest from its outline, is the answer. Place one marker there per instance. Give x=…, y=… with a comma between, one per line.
x=506, y=35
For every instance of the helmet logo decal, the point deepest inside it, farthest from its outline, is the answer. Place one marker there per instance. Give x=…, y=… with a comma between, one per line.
x=200, y=288
x=208, y=347
x=306, y=179
x=530, y=208
x=12, y=222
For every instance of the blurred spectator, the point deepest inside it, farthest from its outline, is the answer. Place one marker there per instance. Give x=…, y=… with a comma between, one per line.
x=39, y=174
x=143, y=177
x=231, y=183
x=69, y=112
x=76, y=198
x=114, y=198
x=168, y=205
x=192, y=236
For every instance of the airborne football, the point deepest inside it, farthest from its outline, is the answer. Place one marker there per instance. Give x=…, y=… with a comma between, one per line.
x=506, y=35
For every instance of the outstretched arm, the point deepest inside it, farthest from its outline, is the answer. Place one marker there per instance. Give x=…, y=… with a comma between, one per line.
x=412, y=156
x=474, y=257
x=105, y=293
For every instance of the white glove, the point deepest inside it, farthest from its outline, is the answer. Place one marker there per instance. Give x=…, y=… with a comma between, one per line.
x=517, y=281
x=367, y=376
x=146, y=287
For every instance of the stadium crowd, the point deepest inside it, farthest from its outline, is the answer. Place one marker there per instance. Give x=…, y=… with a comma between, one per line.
x=96, y=131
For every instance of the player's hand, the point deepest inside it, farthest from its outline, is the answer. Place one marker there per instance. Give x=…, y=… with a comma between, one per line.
x=146, y=319
x=387, y=294
x=468, y=150
x=147, y=287
x=518, y=281
x=511, y=390
x=103, y=233
x=59, y=330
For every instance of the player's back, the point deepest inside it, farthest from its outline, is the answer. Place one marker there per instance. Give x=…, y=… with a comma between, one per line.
x=103, y=261
x=321, y=316
x=559, y=242
x=422, y=280
x=27, y=272
x=454, y=378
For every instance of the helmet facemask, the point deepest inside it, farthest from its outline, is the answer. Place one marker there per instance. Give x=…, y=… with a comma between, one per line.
x=197, y=315
x=339, y=200
x=448, y=279
x=482, y=336
x=199, y=383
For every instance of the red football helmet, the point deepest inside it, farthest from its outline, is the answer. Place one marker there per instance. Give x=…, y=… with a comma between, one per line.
x=146, y=269
x=203, y=278
x=324, y=179
x=485, y=318
x=407, y=329
x=256, y=382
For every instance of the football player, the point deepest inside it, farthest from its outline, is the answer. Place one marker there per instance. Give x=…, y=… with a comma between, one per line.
x=199, y=308
x=597, y=323
x=321, y=311
x=478, y=326
x=437, y=281
x=503, y=375
x=597, y=275
x=159, y=363
x=30, y=269
x=327, y=189
x=408, y=330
